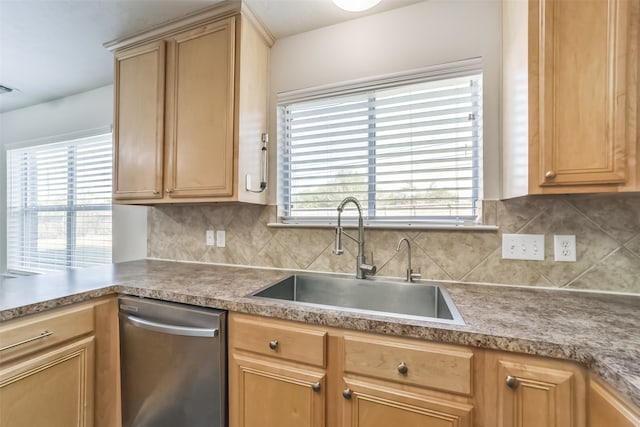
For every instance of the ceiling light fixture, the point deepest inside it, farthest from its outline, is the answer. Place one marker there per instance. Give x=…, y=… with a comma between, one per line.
x=355, y=5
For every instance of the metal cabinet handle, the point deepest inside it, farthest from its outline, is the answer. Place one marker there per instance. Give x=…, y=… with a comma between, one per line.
x=155, y=193
x=315, y=387
x=167, y=190
x=403, y=368
x=346, y=393
x=512, y=382
x=28, y=340
x=550, y=175
x=273, y=345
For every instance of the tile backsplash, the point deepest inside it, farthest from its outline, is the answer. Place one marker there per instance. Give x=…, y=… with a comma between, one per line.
x=607, y=229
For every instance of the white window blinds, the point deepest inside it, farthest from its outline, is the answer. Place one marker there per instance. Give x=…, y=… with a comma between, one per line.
x=409, y=152
x=59, y=205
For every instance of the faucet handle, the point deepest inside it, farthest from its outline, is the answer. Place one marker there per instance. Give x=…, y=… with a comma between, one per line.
x=337, y=249
x=412, y=276
x=368, y=268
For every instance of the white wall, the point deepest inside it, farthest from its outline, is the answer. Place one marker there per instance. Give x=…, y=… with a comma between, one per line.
x=88, y=110
x=73, y=115
x=421, y=35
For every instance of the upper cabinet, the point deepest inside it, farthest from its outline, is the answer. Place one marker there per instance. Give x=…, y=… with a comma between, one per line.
x=139, y=122
x=191, y=104
x=574, y=65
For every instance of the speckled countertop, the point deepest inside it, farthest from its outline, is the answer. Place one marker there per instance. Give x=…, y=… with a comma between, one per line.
x=601, y=331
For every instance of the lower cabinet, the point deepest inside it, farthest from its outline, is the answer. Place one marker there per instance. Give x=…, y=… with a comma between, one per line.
x=54, y=389
x=277, y=373
x=372, y=405
x=535, y=392
x=406, y=382
x=285, y=374
x=276, y=395
x=60, y=368
x=289, y=374
x=606, y=409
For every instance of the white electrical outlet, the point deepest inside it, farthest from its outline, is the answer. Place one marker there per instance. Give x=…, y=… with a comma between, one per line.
x=564, y=248
x=523, y=246
x=221, y=238
x=210, y=238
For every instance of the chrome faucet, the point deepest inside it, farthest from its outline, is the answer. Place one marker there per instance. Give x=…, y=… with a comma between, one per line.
x=362, y=268
x=410, y=274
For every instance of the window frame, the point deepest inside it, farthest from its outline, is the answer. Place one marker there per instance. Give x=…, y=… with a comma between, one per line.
x=451, y=70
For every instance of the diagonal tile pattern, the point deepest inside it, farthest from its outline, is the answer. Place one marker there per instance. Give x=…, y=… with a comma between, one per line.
x=607, y=230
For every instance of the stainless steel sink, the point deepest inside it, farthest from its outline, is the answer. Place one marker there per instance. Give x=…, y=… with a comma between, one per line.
x=396, y=299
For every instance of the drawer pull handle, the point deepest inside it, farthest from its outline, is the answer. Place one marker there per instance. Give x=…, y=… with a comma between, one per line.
x=315, y=387
x=550, y=175
x=403, y=368
x=346, y=393
x=273, y=345
x=37, y=337
x=512, y=382
x=167, y=190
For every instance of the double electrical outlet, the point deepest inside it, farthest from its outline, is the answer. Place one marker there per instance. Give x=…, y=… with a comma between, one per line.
x=531, y=247
x=216, y=238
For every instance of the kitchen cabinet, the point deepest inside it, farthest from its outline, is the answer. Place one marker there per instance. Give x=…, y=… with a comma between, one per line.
x=52, y=389
x=536, y=392
x=284, y=373
x=386, y=379
x=60, y=368
x=277, y=374
x=191, y=110
x=139, y=122
x=607, y=409
x=575, y=66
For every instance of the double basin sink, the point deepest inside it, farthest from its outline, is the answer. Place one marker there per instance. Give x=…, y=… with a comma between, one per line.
x=417, y=301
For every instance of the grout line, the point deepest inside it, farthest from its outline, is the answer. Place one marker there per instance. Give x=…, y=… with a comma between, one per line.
x=592, y=267
x=444, y=270
x=593, y=222
x=499, y=248
x=624, y=245
x=519, y=230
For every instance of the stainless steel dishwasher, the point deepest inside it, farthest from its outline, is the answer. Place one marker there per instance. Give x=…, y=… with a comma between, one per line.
x=173, y=364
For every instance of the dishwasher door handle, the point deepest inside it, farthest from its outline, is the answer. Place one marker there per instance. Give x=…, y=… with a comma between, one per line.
x=171, y=329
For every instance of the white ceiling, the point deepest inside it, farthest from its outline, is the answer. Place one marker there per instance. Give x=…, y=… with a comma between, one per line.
x=50, y=49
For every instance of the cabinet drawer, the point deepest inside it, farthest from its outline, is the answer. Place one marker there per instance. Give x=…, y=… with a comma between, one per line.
x=294, y=343
x=25, y=336
x=429, y=365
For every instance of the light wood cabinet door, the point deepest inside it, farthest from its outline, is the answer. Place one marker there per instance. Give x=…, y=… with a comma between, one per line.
x=139, y=122
x=200, y=111
x=54, y=389
x=537, y=396
x=578, y=90
x=271, y=394
x=607, y=410
x=368, y=405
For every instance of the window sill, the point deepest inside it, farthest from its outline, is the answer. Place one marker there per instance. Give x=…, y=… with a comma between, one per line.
x=387, y=226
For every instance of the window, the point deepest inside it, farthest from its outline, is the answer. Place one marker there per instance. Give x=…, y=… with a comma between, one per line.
x=409, y=150
x=59, y=205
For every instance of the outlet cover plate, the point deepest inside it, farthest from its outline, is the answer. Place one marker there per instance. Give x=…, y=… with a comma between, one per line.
x=564, y=248
x=210, y=238
x=221, y=238
x=523, y=246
